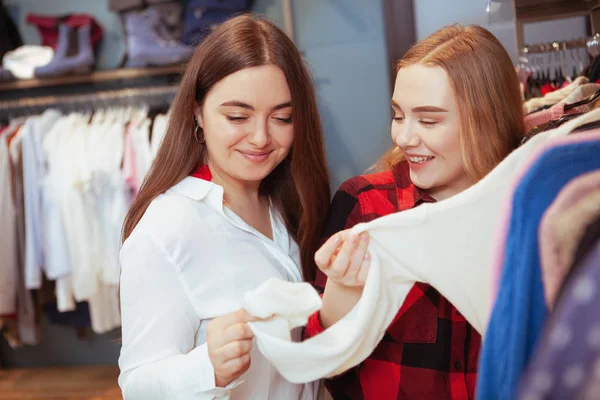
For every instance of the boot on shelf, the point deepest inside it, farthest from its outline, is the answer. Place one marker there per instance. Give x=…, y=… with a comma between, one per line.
x=202, y=16
x=149, y=42
x=73, y=55
x=171, y=14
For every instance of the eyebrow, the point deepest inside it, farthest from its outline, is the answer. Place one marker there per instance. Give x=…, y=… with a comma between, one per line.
x=429, y=109
x=421, y=108
x=236, y=103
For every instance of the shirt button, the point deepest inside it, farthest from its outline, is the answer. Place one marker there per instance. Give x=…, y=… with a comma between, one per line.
x=457, y=365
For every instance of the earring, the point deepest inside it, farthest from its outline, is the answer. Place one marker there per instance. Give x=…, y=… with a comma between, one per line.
x=196, y=135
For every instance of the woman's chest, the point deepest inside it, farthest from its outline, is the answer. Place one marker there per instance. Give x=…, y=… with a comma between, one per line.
x=219, y=272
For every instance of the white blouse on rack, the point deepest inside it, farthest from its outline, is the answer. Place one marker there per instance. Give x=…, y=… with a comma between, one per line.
x=190, y=260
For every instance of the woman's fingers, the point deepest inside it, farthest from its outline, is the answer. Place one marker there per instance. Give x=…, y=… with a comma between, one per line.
x=233, y=350
x=361, y=277
x=357, y=259
x=344, y=258
x=324, y=255
x=340, y=264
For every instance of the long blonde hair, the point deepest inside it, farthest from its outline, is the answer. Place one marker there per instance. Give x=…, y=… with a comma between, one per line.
x=487, y=91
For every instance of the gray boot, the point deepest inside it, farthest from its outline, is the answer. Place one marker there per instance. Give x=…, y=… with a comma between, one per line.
x=73, y=55
x=149, y=41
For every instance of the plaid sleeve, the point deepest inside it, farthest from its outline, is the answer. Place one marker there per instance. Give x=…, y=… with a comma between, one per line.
x=344, y=213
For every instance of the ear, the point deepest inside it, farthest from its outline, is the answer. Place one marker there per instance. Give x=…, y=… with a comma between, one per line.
x=198, y=115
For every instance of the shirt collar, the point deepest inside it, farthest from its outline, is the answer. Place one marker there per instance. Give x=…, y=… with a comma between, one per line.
x=198, y=186
x=409, y=195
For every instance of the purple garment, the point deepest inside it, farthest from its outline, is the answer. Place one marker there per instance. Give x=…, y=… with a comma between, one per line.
x=565, y=364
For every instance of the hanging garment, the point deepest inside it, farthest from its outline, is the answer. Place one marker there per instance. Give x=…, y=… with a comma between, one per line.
x=520, y=310
x=143, y=153
x=130, y=172
x=399, y=247
x=586, y=244
x=188, y=260
x=159, y=128
x=34, y=172
x=553, y=97
x=8, y=245
x=551, y=114
x=566, y=361
x=55, y=186
x=503, y=223
x=581, y=93
x=562, y=227
x=82, y=226
x=28, y=329
x=107, y=195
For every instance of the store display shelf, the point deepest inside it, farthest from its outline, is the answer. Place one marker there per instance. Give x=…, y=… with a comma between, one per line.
x=94, y=77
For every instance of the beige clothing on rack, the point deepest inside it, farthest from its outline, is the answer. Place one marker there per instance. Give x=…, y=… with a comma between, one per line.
x=554, y=97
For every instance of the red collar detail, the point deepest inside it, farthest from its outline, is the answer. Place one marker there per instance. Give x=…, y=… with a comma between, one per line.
x=203, y=172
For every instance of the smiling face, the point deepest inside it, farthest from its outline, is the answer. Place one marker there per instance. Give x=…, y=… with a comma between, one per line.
x=247, y=122
x=426, y=127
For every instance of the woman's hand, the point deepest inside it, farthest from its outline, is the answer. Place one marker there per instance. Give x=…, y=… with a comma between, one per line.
x=229, y=340
x=344, y=258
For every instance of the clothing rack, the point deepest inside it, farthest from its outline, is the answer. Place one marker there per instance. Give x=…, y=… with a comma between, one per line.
x=580, y=43
x=157, y=96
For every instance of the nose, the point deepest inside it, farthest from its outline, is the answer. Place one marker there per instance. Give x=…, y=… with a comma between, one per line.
x=404, y=135
x=260, y=136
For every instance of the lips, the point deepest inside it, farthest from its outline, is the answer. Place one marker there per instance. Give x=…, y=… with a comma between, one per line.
x=255, y=156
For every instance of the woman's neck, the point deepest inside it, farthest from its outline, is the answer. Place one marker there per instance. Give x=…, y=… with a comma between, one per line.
x=245, y=200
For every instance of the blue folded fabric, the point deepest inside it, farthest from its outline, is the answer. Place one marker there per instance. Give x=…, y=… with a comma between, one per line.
x=520, y=310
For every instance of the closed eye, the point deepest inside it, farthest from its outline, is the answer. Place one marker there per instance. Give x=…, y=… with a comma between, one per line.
x=236, y=119
x=284, y=120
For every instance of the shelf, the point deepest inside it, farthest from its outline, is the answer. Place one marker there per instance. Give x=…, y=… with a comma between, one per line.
x=94, y=77
x=551, y=10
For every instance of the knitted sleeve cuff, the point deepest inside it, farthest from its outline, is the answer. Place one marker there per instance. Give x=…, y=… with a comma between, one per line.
x=314, y=326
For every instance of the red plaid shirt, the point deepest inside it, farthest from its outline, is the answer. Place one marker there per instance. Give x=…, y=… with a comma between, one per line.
x=429, y=351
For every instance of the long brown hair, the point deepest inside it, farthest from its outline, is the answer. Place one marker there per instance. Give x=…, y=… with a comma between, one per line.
x=487, y=91
x=299, y=186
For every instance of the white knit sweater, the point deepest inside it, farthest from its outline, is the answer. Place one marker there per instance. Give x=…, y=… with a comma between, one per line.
x=446, y=244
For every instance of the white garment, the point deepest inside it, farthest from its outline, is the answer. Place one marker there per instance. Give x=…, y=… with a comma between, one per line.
x=8, y=245
x=432, y=243
x=190, y=260
x=159, y=128
x=54, y=232
x=143, y=152
x=37, y=238
x=581, y=93
x=23, y=61
x=73, y=150
x=107, y=193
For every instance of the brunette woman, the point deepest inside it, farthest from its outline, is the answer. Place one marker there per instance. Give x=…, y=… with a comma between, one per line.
x=237, y=195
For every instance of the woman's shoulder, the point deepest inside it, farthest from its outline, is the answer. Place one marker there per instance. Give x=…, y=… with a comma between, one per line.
x=357, y=185
x=171, y=219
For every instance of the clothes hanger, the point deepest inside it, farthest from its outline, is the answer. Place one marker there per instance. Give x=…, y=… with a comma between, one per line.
x=587, y=127
x=583, y=102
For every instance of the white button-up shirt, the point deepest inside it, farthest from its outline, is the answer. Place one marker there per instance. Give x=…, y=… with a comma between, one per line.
x=189, y=260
